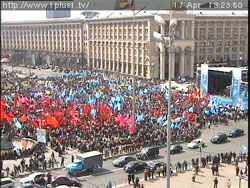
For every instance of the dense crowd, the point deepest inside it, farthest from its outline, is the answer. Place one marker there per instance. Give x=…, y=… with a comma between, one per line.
x=93, y=111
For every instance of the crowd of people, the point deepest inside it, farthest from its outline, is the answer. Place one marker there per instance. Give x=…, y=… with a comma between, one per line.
x=92, y=111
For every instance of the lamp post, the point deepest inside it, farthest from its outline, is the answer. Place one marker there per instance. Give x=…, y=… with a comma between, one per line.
x=172, y=27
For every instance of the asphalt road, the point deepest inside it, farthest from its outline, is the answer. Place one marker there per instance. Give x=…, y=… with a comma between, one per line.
x=118, y=176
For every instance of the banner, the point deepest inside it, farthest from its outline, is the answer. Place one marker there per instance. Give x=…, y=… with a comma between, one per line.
x=41, y=135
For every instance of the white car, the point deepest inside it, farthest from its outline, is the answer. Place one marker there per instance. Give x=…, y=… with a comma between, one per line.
x=196, y=144
x=7, y=183
x=32, y=177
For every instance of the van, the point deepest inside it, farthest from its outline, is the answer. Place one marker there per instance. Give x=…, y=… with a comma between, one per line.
x=147, y=153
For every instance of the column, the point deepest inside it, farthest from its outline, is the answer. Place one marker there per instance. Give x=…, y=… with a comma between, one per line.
x=109, y=49
x=192, y=26
x=172, y=71
x=122, y=60
x=182, y=65
x=114, y=52
x=162, y=63
x=127, y=54
x=137, y=60
x=105, y=57
x=143, y=57
x=101, y=58
x=192, y=64
x=183, y=29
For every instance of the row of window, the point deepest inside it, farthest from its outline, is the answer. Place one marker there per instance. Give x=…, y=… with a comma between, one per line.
x=120, y=67
x=217, y=57
x=47, y=27
x=221, y=43
x=218, y=49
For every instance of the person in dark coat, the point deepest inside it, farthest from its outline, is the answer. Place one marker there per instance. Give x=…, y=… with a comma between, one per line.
x=129, y=178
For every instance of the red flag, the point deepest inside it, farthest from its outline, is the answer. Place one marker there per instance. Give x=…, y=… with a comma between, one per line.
x=11, y=115
x=52, y=122
x=35, y=124
x=58, y=114
x=131, y=129
x=2, y=104
x=24, y=118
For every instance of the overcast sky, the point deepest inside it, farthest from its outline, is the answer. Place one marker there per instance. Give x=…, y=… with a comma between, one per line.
x=41, y=15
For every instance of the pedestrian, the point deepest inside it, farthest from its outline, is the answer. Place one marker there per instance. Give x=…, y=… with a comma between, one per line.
x=129, y=178
x=152, y=173
x=7, y=171
x=109, y=185
x=193, y=176
x=237, y=170
x=228, y=183
x=217, y=170
x=145, y=172
x=62, y=161
x=133, y=178
x=241, y=172
x=158, y=171
x=213, y=169
x=137, y=185
x=142, y=186
x=72, y=159
x=215, y=182
x=49, y=178
x=246, y=169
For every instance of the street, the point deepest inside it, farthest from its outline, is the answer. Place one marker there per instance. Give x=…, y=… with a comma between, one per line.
x=119, y=177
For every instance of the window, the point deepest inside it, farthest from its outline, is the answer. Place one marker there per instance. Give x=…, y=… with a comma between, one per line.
x=210, y=50
x=226, y=49
x=218, y=50
x=242, y=49
x=218, y=30
x=227, y=30
x=234, y=56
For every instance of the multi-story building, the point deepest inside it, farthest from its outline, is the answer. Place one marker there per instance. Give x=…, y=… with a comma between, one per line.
x=114, y=43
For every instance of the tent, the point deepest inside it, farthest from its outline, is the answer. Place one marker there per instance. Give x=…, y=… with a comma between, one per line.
x=5, y=60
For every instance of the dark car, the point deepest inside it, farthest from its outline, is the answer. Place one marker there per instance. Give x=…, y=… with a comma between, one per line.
x=64, y=180
x=155, y=164
x=176, y=149
x=148, y=153
x=219, y=138
x=121, y=161
x=235, y=132
x=134, y=166
x=66, y=71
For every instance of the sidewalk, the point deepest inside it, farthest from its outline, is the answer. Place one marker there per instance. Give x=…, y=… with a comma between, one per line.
x=204, y=179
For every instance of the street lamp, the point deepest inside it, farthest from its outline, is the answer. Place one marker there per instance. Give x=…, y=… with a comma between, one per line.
x=167, y=41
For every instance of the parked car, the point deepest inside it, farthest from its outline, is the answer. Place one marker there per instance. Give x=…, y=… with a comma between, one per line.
x=196, y=144
x=154, y=164
x=148, y=153
x=64, y=180
x=7, y=183
x=176, y=149
x=123, y=160
x=30, y=185
x=66, y=71
x=219, y=138
x=235, y=132
x=32, y=177
x=134, y=166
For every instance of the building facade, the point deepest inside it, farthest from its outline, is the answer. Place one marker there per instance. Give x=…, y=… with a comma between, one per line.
x=113, y=44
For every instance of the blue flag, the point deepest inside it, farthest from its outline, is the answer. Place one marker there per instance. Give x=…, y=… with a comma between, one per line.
x=17, y=123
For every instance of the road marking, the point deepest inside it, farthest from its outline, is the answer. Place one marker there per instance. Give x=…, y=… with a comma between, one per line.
x=101, y=173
